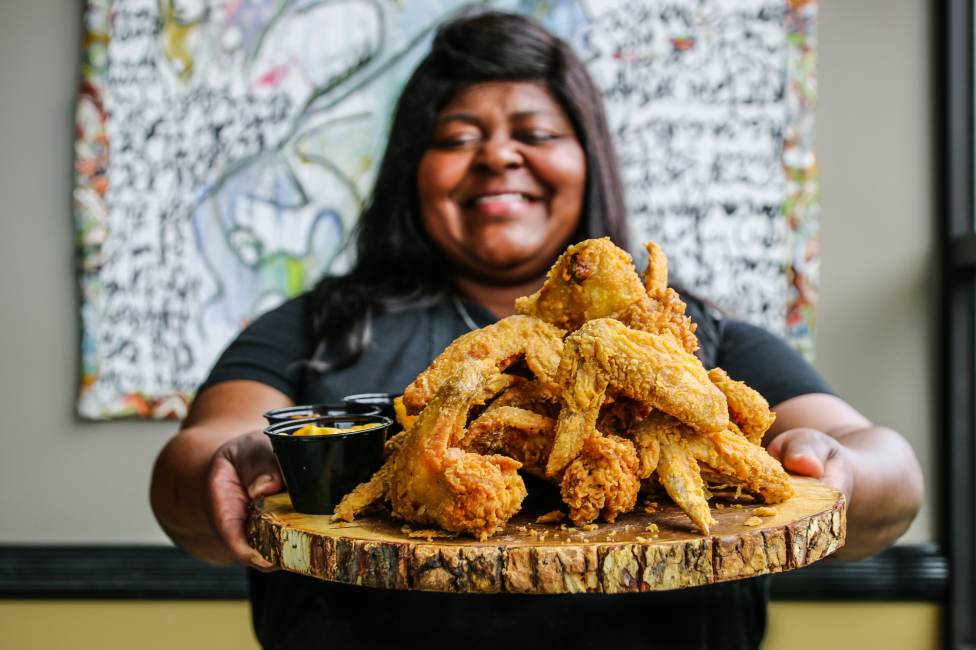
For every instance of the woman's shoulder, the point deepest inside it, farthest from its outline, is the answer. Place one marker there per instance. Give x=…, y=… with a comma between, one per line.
x=291, y=309
x=767, y=362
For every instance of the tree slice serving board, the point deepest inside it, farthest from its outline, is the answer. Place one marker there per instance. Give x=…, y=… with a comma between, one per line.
x=526, y=557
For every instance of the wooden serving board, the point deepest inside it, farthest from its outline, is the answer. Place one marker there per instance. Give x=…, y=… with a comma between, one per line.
x=378, y=551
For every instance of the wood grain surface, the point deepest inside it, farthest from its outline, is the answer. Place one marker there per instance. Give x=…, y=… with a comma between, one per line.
x=526, y=557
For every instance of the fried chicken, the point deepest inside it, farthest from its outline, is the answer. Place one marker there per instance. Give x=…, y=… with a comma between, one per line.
x=661, y=311
x=593, y=386
x=515, y=432
x=530, y=395
x=592, y=279
x=726, y=454
x=435, y=482
x=747, y=408
x=595, y=279
x=605, y=354
x=729, y=453
x=602, y=481
x=678, y=473
x=500, y=345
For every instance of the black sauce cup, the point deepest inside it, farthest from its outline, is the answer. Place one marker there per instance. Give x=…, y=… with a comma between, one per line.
x=311, y=411
x=382, y=401
x=319, y=470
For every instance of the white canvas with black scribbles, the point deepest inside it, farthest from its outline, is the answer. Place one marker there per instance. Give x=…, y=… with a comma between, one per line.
x=223, y=150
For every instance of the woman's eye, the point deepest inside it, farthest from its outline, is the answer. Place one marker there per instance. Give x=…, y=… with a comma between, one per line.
x=536, y=137
x=455, y=141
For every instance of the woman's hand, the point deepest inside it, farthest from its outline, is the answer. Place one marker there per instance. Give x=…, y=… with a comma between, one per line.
x=206, y=474
x=809, y=452
x=822, y=436
x=242, y=469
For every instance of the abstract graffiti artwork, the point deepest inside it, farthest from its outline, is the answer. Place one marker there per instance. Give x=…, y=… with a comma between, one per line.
x=224, y=148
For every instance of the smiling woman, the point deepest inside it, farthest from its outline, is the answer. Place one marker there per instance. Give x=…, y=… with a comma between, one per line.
x=499, y=156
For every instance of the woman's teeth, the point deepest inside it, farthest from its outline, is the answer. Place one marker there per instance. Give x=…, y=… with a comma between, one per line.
x=511, y=197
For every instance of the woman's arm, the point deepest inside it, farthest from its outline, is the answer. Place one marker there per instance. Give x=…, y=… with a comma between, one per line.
x=822, y=436
x=206, y=474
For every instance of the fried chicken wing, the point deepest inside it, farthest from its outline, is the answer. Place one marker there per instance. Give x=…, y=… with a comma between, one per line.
x=747, y=408
x=595, y=279
x=501, y=345
x=678, y=473
x=729, y=453
x=606, y=354
x=592, y=279
x=676, y=468
x=369, y=494
x=436, y=482
x=656, y=274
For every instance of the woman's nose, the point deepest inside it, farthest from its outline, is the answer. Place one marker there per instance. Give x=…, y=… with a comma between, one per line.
x=500, y=153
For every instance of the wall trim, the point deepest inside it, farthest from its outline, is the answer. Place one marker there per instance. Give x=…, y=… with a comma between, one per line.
x=902, y=573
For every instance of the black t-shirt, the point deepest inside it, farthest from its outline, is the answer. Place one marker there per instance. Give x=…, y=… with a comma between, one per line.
x=293, y=611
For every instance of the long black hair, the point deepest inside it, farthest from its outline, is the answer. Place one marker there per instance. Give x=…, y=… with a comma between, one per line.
x=396, y=265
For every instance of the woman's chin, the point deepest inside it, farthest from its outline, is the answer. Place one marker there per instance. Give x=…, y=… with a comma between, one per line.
x=510, y=268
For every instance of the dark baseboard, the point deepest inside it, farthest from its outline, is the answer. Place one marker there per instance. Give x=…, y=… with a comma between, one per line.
x=902, y=573
x=152, y=572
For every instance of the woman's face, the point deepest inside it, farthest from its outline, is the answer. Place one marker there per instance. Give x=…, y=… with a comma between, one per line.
x=501, y=186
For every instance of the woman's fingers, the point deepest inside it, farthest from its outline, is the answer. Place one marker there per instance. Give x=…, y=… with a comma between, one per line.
x=256, y=465
x=237, y=472
x=809, y=452
x=265, y=484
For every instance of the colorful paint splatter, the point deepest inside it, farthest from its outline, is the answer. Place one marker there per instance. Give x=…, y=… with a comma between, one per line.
x=223, y=150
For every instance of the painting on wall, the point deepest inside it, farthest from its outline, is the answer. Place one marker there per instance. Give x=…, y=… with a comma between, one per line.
x=224, y=148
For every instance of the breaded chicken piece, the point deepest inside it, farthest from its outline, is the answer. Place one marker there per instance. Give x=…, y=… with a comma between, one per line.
x=435, y=482
x=665, y=315
x=647, y=443
x=530, y=395
x=592, y=279
x=371, y=493
x=678, y=473
x=400, y=412
x=602, y=481
x=656, y=273
x=518, y=433
x=501, y=345
x=662, y=311
x=596, y=279
x=618, y=414
x=730, y=454
x=747, y=408
x=605, y=354
x=676, y=469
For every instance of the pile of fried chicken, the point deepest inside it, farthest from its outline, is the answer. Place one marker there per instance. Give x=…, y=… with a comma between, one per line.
x=594, y=386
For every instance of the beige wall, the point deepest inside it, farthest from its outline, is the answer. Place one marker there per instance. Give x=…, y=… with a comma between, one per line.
x=113, y=625
x=67, y=481
x=61, y=480
x=879, y=312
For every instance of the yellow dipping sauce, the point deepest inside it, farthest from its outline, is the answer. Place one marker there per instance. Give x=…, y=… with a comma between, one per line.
x=312, y=430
